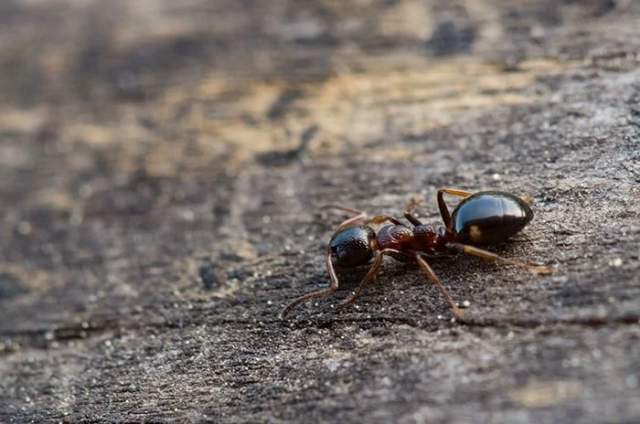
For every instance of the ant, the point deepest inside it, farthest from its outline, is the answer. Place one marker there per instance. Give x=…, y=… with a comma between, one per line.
x=485, y=217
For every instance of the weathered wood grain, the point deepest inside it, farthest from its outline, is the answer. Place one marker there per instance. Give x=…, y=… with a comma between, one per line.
x=161, y=169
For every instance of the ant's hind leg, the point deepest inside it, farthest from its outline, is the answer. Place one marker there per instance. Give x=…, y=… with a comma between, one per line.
x=371, y=275
x=433, y=278
x=318, y=293
x=343, y=208
x=455, y=192
x=490, y=256
x=442, y=205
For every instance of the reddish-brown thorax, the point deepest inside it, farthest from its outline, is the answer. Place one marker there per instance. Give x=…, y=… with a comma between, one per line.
x=422, y=238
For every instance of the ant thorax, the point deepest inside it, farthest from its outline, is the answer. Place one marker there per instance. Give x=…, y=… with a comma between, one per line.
x=421, y=238
x=429, y=238
x=394, y=237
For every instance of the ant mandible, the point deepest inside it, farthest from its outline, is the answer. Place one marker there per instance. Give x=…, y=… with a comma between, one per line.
x=486, y=217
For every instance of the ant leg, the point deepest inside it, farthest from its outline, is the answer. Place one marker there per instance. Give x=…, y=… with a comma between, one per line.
x=318, y=293
x=433, y=278
x=442, y=205
x=360, y=216
x=342, y=208
x=490, y=256
x=378, y=219
x=455, y=192
x=411, y=205
x=357, y=216
x=371, y=275
x=527, y=199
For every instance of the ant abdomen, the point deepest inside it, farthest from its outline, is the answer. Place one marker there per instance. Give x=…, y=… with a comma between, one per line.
x=489, y=217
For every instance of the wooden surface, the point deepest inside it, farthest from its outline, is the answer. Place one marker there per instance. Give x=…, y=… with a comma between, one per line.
x=161, y=169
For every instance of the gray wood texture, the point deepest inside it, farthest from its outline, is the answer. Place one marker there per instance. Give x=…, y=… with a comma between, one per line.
x=162, y=165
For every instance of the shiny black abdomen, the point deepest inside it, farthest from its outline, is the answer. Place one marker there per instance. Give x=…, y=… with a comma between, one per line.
x=352, y=246
x=489, y=217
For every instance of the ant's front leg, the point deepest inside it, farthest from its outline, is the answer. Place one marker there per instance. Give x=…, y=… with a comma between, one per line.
x=360, y=217
x=371, y=275
x=442, y=205
x=318, y=293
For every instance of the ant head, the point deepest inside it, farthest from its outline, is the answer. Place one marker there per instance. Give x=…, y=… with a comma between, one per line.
x=353, y=246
